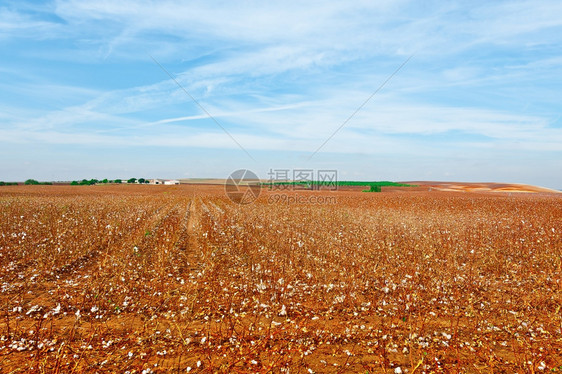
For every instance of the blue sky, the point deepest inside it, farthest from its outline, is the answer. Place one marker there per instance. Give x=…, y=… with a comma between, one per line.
x=80, y=96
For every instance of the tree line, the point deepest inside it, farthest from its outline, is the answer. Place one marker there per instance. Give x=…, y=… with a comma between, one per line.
x=83, y=182
x=27, y=183
x=86, y=182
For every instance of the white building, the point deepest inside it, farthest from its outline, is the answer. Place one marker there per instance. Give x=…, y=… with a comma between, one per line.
x=171, y=181
x=156, y=181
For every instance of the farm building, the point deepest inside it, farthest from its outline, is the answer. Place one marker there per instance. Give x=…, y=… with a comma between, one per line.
x=171, y=182
x=156, y=181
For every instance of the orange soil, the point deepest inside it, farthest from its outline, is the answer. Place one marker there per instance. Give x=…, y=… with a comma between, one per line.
x=131, y=278
x=484, y=187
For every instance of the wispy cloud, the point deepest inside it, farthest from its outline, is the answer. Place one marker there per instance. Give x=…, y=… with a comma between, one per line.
x=17, y=24
x=282, y=76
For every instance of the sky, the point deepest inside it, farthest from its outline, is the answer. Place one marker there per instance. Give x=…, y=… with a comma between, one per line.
x=376, y=90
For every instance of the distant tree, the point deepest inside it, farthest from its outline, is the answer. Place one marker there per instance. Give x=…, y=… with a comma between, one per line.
x=142, y=180
x=118, y=181
x=74, y=183
x=31, y=182
x=105, y=181
x=2, y=183
x=132, y=180
x=93, y=181
x=84, y=182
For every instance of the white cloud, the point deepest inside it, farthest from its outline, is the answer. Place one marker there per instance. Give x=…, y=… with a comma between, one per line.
x=301, y=127
x=284, y=76
x=15, y=24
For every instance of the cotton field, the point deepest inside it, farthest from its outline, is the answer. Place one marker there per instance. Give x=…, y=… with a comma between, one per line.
x=150, y=279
